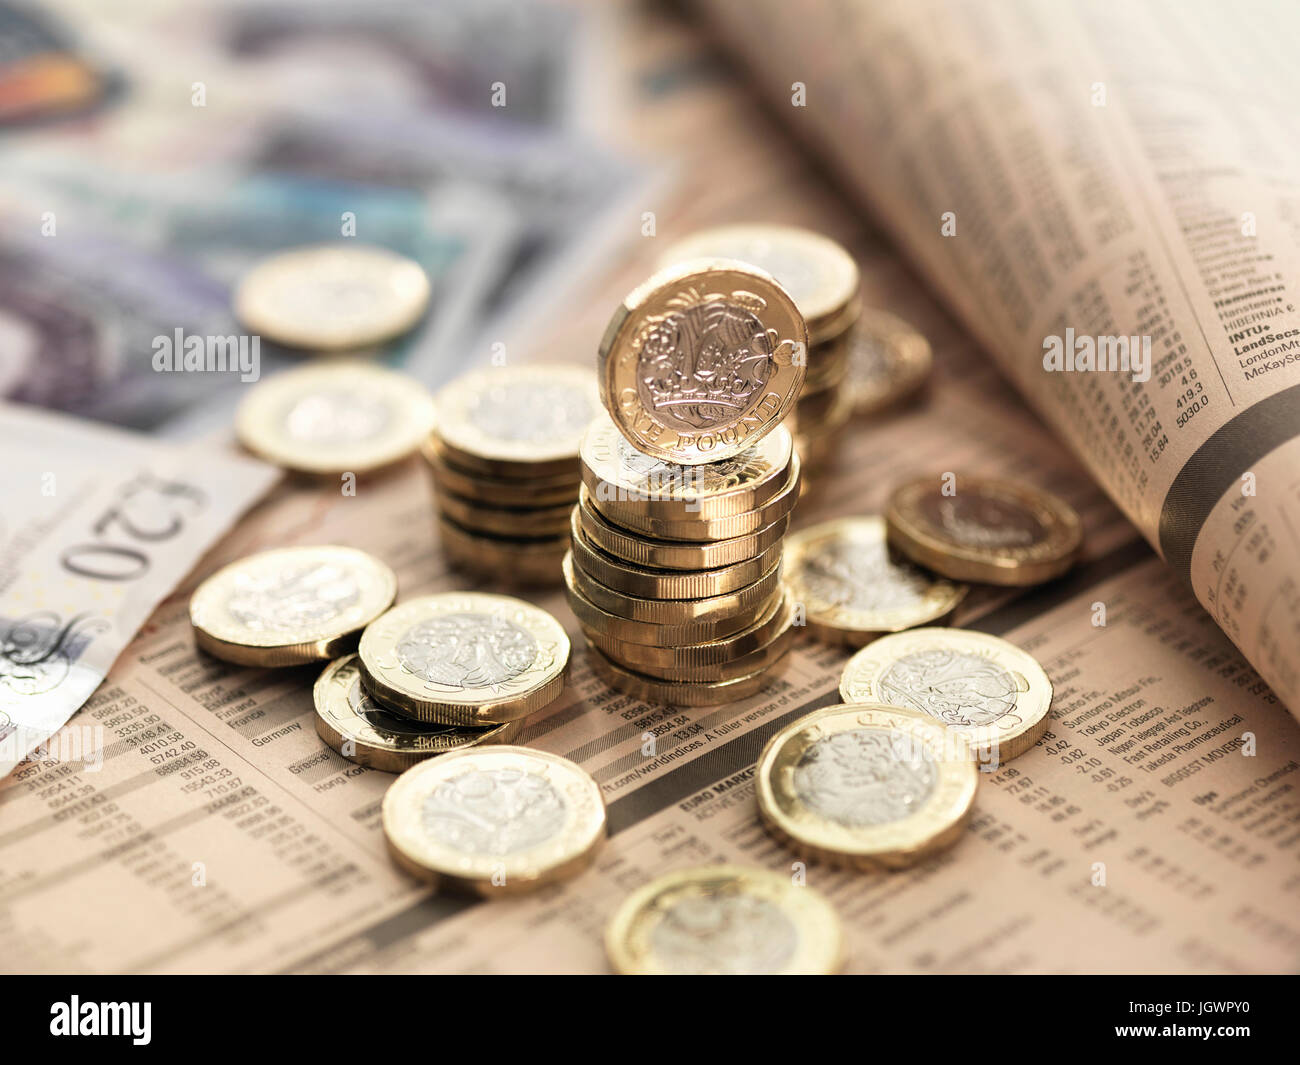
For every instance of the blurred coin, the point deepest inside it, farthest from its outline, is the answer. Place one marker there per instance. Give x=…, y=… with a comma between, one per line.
x=725, y=920
x=852, y=590
x=620, y=479
x=673, y=554
x=996, y=695
x=866, y=786
x=671, y=693
x=291, y=605
x=537, y=522
x=372, y=735
x=818, y=273
x=464, y=658
x=333, y=297
x=993, y=531
x=511, y=561
x=551, y=490
x=517, y=421
x=494, y=820
x=702, y=361
x=888, y=361
x=335, y=417
x=746, y=600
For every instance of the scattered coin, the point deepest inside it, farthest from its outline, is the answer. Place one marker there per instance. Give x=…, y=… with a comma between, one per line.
x=888, y=361
x=334, y=418
x=702, y=360
x=996, y=695
x=993, y=531
x=818, y=273
x=291, y=605
x=464, y=658
x=334, y=297
x=369, y=734
x=494, y=820
x=852, y=590
x=866, y=786
x=684, y=693
x=725, y=920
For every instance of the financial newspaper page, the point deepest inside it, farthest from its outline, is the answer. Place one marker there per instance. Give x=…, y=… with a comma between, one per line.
x=1154, y=829
x=1097, y=170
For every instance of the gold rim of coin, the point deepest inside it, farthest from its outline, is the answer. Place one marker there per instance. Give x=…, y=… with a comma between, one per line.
x=656, y=659
x=650, y=374
x=748, y=663
x=590, y=615
x=507, y=521
x=464, y=658
x=697, y=529
x=517, y=562
x=987, y=530
x=291, y=605
x=674, y=554
x=501, y=491
x=684, y=693
x=520, y=421
x=455, y=820
x=364, y=732
x=647, y=582
x=852, y=590
x=818, y=272
x=678, y=611
x=866, y=786
x=335, y=417
x=888, y=361
x=621, y=479
x=782, y=929
x=993, y=693
x=332, y=297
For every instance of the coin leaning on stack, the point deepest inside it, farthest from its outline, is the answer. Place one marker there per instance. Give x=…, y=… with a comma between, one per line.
x=503, y=458
x=823, y=280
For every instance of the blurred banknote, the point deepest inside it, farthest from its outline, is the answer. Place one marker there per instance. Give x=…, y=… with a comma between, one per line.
x=98, y=527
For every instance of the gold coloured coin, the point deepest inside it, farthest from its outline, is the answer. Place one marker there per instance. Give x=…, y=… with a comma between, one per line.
x=516, y=521
x=554, y=490
x=517, y=562
x=725, y=920
x=674, y=554
x=291, y=605
x=673, y=612
x=520, y=421
x=866, y=786
x=335, y=417
x=649, y=583
x=494, y=821
x=698, y=529
x=888, y=361
x=852, y=590
x=686, y=693
x=987, y=530
x=818, y=273
x=594, y=617
x=332, y=297
x=464, y=658
x=702, y=360
x=372, y=735
x=621, y=479
x=996, y=695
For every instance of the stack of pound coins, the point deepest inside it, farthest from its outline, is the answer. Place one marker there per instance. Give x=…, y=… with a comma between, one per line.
x=823, y=280
x=674, y=572
x=503, y=457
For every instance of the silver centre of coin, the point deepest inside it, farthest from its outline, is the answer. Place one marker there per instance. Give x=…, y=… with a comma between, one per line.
x=724, y=934
x=865, y=777
x=657, y=477
x=526, y=412
x=861, y=577
x=493, y=812
x=983, y=522
x=704, y=365
x=467, y=650
x=300, y=597
x=336, y=416
x=960, y=689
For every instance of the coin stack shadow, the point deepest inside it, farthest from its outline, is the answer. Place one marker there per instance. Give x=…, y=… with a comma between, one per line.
x=826, y=402
x=679, y=595
x=510, y=524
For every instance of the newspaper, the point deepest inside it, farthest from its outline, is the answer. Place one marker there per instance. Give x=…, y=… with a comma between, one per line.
x=1073, y=174
x=1153, y=830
